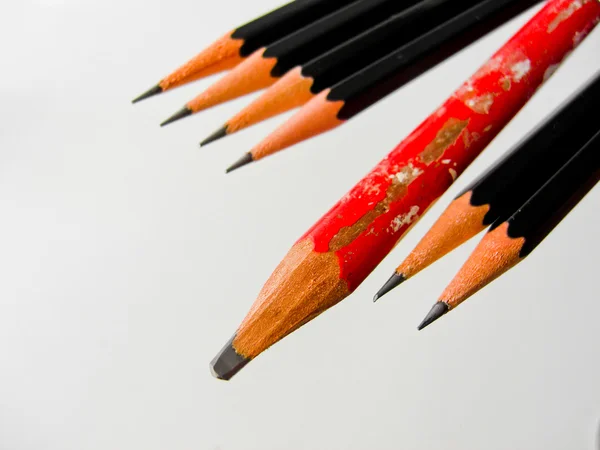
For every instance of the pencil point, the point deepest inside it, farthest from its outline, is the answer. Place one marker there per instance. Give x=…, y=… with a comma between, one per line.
x=220, y=133
x=246, y=159
x=394, y=281
x=437, y=311
x=149, y=93
x=227, y=362
x=183, y=112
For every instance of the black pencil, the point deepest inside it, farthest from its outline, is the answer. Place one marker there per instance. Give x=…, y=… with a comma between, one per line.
x=508, y=183
x=270, y=63
x=235, y=46
x=509, y=241
x=302, y=83
x=336, y=105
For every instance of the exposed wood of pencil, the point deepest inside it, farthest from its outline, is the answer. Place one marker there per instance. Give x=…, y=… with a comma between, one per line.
x=291, y=91
x=270, y=63
x=334, y=106
x=229, y=50
x=333, y=258
x=510, y=241
x=221, y=55
x=253, y=74
x=508, y=183
x=302, y=83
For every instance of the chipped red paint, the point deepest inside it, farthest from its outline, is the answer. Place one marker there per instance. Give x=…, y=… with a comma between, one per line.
x=486, y=102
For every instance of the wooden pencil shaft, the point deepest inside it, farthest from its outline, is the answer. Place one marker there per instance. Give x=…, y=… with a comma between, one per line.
x=381, y=78
x=330, y=31
x=535, y=219
x=515, y=177
x=375, y=43
x=282, y=21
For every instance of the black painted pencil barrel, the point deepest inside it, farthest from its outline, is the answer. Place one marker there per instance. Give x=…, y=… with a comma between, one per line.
x=537, y=217
x=525, y=168
x=381, y=78
x=377, y=42
x=330, y=31
x=283, y=21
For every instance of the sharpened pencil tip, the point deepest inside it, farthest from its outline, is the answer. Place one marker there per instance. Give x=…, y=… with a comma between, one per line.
x=227, y=362
x=394, y=281
x=220, y=133
x=183, y=112
x=246, y=159
x=149, y=93
x=437, y=311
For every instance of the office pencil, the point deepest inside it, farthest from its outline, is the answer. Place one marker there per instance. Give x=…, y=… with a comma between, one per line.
x=302, y=83
x=229, y=50
x=340, y=250
x=270, y=63
x=335, y=105
x=508, y=183
x=510, y=240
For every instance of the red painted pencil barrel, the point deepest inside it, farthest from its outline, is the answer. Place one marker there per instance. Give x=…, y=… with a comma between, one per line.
x=363, y=227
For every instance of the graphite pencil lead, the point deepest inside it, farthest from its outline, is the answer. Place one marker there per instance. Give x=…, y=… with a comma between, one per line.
x=183, y=112
x=149, y=93
x=227, y=362
x=220, y=133
x=395, y=280
x=437, y=311
x=246, y=159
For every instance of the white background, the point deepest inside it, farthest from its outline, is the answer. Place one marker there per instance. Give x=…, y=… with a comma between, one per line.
x=127, y=258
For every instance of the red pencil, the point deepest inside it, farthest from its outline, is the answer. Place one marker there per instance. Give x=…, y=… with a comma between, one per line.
x=345, y=245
